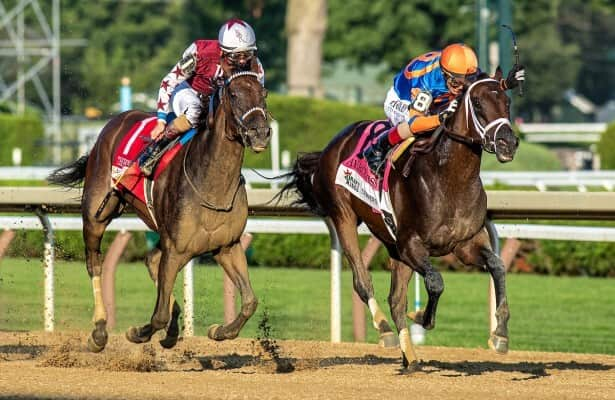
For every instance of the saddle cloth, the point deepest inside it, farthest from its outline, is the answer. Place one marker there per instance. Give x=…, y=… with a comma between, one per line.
x=124, y=166
x=354, y=175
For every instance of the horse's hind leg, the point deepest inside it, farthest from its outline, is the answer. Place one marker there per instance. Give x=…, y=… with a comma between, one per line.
x=92, y=233
x=346, y=228
x=477, y=251
x=398, y=301
x=152, y=261
x=233, y=261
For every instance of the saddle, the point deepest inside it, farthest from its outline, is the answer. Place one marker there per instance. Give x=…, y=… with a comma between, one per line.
x=125, y=173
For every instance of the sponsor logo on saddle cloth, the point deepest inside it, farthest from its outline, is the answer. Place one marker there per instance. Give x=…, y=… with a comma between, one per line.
x=355, y=175
x=125, y=167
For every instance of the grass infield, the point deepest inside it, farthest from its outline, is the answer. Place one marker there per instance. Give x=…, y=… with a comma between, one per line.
x=547, y=313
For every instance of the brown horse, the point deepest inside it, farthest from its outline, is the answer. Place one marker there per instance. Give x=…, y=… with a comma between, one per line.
x=440, y=207
x=200, y=205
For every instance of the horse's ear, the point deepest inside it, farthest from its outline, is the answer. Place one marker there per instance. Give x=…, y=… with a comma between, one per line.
x=498, y=73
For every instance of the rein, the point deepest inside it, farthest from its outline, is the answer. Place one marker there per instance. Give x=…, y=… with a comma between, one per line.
x=243, y=129
x=485, y=142
x=204, y=202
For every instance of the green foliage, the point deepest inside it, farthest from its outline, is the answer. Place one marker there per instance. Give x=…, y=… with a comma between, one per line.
x=308, y=125
x=23, y=131
x=529, y=157
x=395, y=31
x=606, y=148
x=69, y=245
x=301, y=251
x=574, y=258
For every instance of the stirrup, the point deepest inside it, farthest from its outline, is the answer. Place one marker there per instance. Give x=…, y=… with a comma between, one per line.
x=374, y=159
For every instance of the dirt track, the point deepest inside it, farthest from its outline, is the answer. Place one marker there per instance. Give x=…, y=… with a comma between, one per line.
x=39, y=365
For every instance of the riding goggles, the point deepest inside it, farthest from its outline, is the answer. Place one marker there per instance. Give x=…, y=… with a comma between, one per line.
x=457, y=81
x=240, y=57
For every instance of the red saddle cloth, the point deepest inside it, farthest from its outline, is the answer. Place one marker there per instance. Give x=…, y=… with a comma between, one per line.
x=125, y=167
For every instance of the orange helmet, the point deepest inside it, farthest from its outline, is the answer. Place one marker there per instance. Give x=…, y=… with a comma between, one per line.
x=458, y=60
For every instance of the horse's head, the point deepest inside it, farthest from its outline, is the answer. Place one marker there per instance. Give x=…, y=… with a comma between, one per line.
x=485, y=117
x=243, y=99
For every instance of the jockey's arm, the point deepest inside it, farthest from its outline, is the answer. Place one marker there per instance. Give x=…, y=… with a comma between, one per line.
x=260, y=71
x=180, y=72
x=420, y=123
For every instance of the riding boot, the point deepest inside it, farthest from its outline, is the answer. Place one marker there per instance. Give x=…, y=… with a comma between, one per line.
x=153, y=153
x=375, y=154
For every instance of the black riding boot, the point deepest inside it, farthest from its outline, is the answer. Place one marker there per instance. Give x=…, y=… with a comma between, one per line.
x=151, y=155
x=375, y=154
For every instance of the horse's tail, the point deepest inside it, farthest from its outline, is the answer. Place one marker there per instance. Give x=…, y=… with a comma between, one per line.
x=70, y=175
x=300, y=181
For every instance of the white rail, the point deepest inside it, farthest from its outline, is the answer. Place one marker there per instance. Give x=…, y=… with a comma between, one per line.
x=541, y=180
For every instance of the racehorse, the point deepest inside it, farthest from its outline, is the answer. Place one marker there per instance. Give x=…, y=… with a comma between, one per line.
x=200, y=205
x=440, y=207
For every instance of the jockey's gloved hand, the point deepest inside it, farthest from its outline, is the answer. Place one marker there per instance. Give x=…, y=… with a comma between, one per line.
x=450, y=110
x=515, y=76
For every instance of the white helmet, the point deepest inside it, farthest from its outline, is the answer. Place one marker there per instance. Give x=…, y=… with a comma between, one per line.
x=236, y=35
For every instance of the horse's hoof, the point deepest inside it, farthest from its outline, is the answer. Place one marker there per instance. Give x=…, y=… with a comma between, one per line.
x=94, y=347
x=212, y=332
x=169, y=342
x=416, y=316
x=410, y=367
x=498, y=343
x=388, y=339
x=132, y=334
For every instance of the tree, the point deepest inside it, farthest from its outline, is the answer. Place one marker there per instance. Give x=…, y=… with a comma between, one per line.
x=306, y=21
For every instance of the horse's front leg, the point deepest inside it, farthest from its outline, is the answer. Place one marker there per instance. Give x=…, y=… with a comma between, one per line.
x=477, y=251
x=152, y=262
x=233, y=261
x=416, y=256
x=170, y=263
x=398, y=301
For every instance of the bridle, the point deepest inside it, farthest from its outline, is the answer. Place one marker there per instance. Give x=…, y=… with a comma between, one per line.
x=487, y=142
x=240, y=120
x=243, y=132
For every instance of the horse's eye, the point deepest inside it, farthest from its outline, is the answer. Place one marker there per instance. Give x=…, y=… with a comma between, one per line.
x=476, y=104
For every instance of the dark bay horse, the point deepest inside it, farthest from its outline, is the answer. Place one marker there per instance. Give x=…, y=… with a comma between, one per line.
x=440, y=207
x=200, y=205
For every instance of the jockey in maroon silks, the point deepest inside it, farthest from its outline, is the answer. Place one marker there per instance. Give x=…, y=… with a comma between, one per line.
x=193, y=78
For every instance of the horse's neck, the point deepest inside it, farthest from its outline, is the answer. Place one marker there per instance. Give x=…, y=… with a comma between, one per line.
x=458, y=162
x=215, y=161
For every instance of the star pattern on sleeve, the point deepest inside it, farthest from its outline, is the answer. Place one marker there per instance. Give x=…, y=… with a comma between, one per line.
x=178, y=72
x=165, y=85
x=161, y=105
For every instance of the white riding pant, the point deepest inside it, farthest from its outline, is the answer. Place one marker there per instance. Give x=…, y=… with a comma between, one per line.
x=186, y=100
x=395, y=108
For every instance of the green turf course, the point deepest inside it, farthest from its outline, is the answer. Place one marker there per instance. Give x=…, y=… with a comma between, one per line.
x=547, y=313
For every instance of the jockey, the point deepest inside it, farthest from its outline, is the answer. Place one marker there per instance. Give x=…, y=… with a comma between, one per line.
x=428, y=84
x=194, y=78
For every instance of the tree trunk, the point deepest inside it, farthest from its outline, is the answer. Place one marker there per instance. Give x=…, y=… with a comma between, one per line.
x=306, y=23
